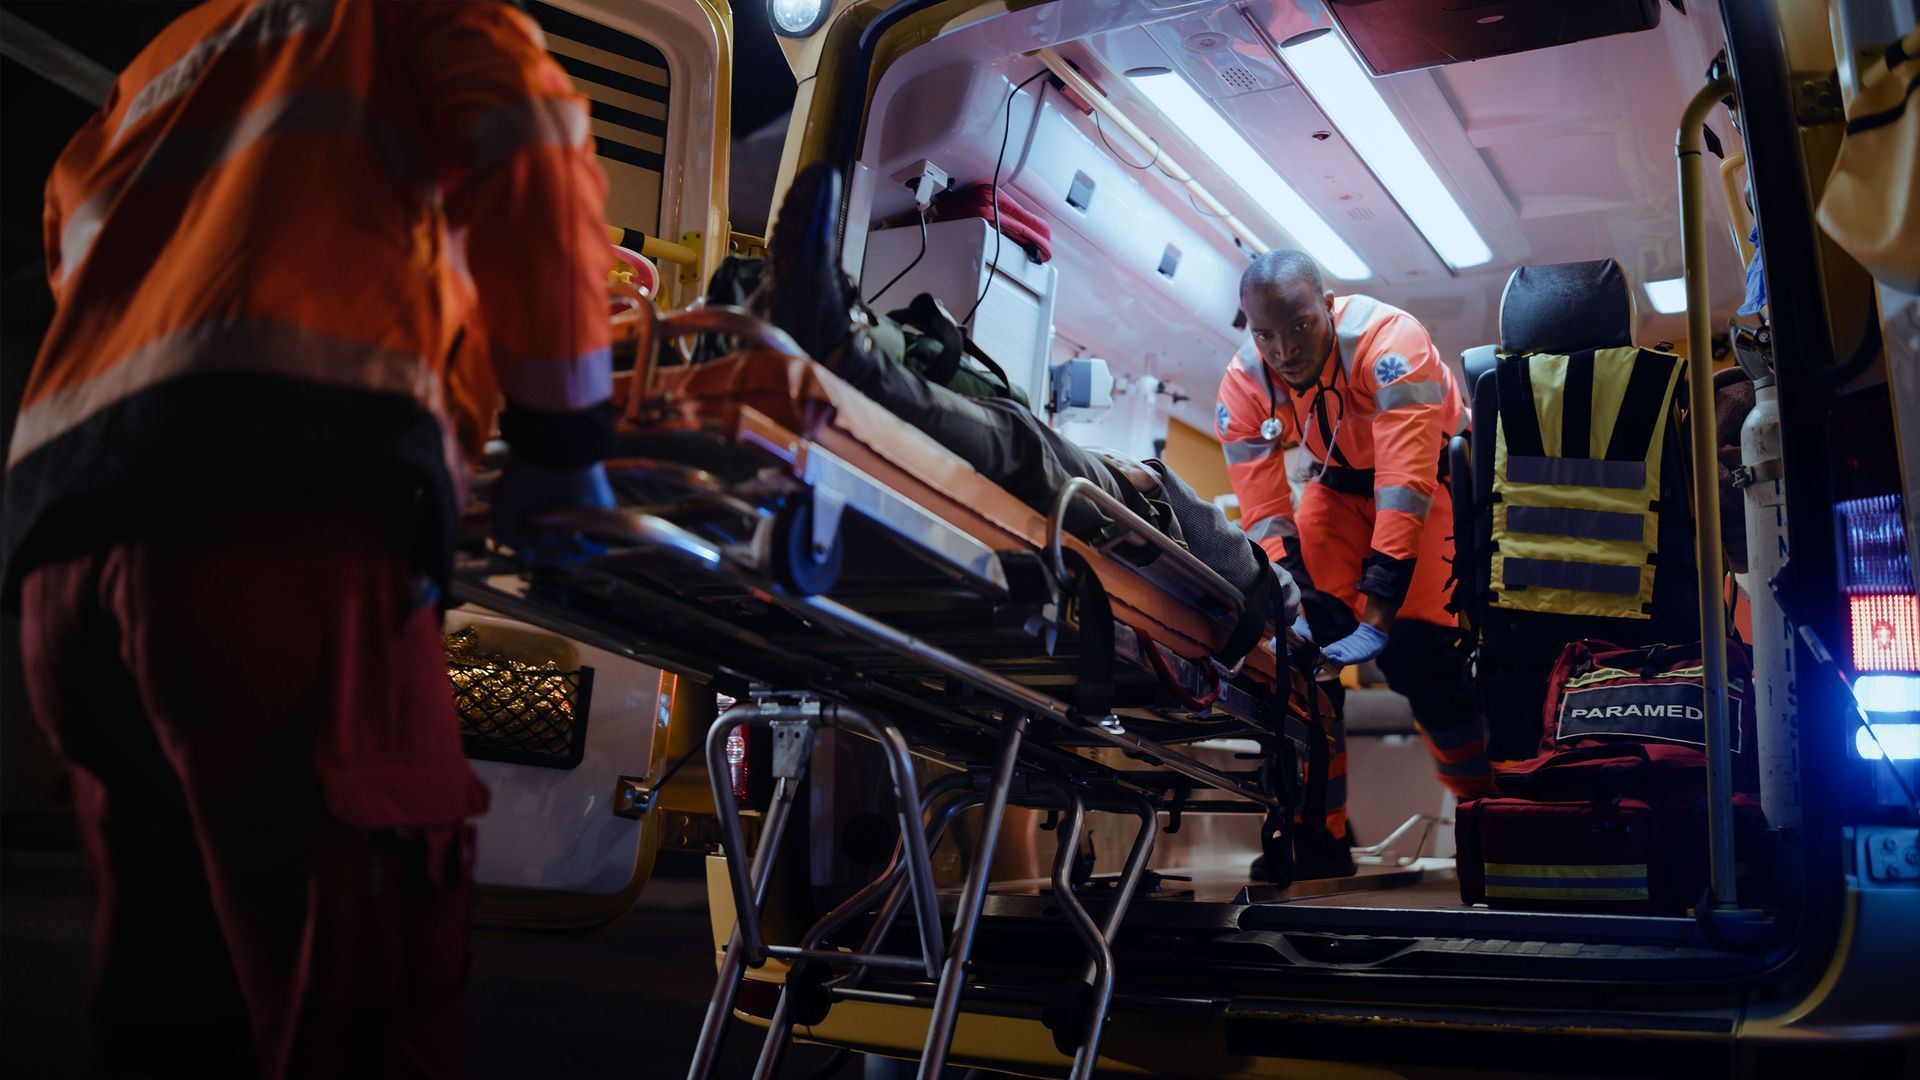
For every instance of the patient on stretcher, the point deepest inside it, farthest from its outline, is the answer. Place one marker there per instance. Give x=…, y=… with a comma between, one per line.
x=896, y=359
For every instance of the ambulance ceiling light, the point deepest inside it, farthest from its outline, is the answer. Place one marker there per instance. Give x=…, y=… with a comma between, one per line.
x=1183, y=107
x=1328, y=69
x=1668, y=295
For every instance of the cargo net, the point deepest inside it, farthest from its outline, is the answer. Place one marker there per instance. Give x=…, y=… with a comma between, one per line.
x=526, y=714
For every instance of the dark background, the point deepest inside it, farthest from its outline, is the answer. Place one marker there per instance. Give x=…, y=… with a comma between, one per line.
x=628, y=1004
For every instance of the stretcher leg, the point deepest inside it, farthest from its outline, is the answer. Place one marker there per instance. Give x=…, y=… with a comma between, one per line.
x=889, y=884
x=1071, y=828
x=792, y=722
x=1101, y=976
x=747, y=881
x=946, y=1002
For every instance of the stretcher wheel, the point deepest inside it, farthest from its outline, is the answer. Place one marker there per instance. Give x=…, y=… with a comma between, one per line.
x=1067, y=1014
x=802, y=568
x=807, y=993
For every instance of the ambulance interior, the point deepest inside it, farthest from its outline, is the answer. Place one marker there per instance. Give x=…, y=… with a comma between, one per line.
x=1163, y=143
x=1144, y=276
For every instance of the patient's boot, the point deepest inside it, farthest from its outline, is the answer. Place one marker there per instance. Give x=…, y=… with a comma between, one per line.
x=804, y=291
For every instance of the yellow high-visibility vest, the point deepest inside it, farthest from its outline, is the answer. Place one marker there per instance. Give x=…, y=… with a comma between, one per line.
x=1576, y=484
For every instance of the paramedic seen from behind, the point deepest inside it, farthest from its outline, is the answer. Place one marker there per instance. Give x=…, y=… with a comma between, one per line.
x=1360, y=384
x=230, y=496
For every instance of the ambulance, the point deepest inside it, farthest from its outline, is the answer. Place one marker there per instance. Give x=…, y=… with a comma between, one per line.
x=1734, y=186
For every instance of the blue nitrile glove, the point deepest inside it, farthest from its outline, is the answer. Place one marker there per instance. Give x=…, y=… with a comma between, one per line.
x=1300, y=627
x=1363, y=644
x=526, y=490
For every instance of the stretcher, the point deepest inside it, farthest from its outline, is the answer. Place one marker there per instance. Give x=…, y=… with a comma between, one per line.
x=833, y=567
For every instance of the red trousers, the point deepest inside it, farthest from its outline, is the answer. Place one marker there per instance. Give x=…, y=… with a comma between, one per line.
x=1420, y=663
x=270, y=791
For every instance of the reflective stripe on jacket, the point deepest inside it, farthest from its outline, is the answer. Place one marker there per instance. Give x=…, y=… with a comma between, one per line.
x=1391, y=407
x=248, y=249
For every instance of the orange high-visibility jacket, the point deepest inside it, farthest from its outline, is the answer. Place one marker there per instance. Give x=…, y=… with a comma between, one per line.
x=248, y=248
x=1388, y=408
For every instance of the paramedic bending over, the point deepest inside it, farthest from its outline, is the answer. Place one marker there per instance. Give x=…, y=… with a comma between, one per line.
x=1361, y=385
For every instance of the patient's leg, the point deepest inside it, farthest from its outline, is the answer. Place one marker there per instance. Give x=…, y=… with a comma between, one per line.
x=1006, y=443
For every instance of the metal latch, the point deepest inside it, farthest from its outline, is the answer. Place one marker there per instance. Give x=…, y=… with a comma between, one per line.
x=1759, y=472
x=632, y=797
x=1816, y=100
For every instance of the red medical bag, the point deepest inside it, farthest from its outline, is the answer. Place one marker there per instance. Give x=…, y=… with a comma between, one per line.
x=1612, y=814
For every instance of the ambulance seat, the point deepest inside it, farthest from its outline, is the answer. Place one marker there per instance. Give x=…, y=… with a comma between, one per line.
x=1474, y=363
x=1557, y=309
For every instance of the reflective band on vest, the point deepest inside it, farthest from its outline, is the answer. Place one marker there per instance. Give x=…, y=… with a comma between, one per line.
x=1577, y=464
x=1560, y=521
x=1585, y=577
x=1577, y=472
x=232, y=346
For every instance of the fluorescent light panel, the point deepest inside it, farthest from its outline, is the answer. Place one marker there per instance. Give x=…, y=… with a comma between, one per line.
x=1346, y=92
x=1203, y=124
x=1668, y=296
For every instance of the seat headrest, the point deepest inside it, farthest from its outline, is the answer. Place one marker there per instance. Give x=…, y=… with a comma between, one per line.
x=1476, y=362
x=1566, y=307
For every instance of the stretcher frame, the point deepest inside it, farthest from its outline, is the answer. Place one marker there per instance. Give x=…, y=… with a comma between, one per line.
x=650, y=597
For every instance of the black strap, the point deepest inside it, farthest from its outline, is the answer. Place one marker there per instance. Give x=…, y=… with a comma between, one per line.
x=1313, y=809
x=1519, y=423
x=1576, y=410
x=926, y=315
x=1346, y=480
x=923, y=314
x=1646, y=400
x=1095, y=612
x=1253, y=619
x=1886, y=116
x=999, y=372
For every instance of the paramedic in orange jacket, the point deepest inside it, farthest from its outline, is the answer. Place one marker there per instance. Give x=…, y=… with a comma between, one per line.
x=231, y=492
x=1360, y=384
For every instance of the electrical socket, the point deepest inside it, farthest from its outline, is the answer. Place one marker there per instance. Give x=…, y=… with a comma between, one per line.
x=925, y=180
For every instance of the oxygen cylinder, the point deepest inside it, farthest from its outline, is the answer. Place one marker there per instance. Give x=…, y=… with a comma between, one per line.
x=1775, y=703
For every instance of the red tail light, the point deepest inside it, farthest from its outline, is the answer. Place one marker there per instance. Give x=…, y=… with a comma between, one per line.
x=1886, y=633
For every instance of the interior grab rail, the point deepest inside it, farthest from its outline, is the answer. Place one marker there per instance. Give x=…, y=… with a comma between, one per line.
x=1706, y=493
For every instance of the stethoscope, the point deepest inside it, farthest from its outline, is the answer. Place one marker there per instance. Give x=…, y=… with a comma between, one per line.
x=1270, y=428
